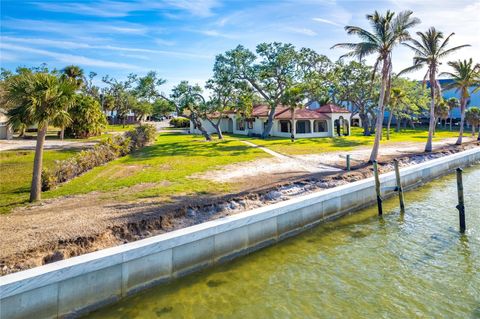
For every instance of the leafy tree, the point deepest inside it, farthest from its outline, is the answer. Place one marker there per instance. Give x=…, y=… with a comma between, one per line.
x=397, y=103
x=41, y=97
x=87, y=117
x=388, y=31
x=121, y=94
x=146, y=91
x=75, y=73
x=472, y=116
x=270, y=74
x=429, y=50
x=191, y=103
x=162, y=107
x=357, y=88
x=441, y=112
x=465, y=75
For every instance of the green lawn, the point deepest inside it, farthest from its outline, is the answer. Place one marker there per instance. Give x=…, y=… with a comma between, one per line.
x=323, y=144
x=119, y=127
x=16, y=175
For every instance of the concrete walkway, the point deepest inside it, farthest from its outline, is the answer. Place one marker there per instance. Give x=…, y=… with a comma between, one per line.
x=295, y=163
x=6, y=145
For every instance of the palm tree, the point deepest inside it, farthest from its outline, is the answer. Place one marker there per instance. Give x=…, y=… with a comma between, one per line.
x=41, y=97
x=75, y=73
x=397, y=97
x=452, y=103
x=465, y=75
x=429, y=50
x=388, y=31
x=472, y=116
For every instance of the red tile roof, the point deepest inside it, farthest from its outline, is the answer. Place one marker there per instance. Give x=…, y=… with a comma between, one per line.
x=263, y=110
x=302, y=114
x=331, y=108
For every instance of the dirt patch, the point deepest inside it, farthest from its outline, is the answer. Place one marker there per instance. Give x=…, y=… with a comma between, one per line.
x=65, y=227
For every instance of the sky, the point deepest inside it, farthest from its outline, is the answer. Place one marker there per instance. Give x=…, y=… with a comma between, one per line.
x=179, y=39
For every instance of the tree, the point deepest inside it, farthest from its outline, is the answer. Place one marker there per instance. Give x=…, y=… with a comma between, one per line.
x=429, y=50
x=472, y=116
x=75, y=73
x=452, y=103
x=162, y=107
x=357, y=88
x=397, y=102
x=190, y=102
x=87, y=117
x=388, y=31
x=122, y=95
x=146, y=91
x=441, y=112
x=270, y=77
x=43, y=97
x=465, y=75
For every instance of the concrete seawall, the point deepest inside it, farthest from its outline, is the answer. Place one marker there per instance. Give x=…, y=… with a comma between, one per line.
x=75, y=286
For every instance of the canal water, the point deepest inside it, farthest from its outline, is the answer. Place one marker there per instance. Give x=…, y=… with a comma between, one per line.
x=412, y=265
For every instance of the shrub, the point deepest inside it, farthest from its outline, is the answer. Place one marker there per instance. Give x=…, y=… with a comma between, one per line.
x=180, y=122
x=87, y=117
x=141, y=136
x=105, y=151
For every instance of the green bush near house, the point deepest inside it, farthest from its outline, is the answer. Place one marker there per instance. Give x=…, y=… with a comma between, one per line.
x=180, y=122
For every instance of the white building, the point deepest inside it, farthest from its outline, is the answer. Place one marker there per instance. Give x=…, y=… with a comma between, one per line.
x=326, y=121
x=6, y=132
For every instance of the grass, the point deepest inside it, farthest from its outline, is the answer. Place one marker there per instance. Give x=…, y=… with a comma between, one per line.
x=346, y=143
x=119, y=127
x=16, y=175
x=167, y=165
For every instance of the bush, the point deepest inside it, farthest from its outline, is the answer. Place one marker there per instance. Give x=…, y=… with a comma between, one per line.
x=180, y=122
x=102, y=153
x=141, y=136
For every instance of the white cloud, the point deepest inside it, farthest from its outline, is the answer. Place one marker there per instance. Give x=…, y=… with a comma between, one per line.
x=117, y=9
x=327, y=21
x=69, y=58
x=82, y=45
x=304, y=31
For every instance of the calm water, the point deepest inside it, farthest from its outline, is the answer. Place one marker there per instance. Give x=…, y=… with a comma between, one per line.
x=362, y=266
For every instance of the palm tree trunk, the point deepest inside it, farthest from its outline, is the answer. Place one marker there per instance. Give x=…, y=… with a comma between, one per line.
x=450, y=120
x=365, y=124
x=478, y=138
x=473, y=130
x=388, y=124
x=294, y=126
x=397, y=120
x=462, y=120
x=62, y=133
x=381, y=110
x=36, y=188
x=431, y=125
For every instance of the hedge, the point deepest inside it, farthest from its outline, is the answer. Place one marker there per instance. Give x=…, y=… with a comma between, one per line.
x=103, y=152
x=180, y=122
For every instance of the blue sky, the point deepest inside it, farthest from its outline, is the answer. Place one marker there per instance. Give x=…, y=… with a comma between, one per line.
x=179, y=38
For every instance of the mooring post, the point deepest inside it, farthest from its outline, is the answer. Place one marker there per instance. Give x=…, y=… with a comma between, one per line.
x=348, y=163
x=461, y=203
x=377, y=188
x=399, y=186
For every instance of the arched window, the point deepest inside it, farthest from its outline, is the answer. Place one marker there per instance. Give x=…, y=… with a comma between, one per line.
x=320, y=126
x=285, y=126
x=303, y=127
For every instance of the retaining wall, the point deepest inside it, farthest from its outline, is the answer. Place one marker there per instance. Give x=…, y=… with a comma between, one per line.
x=75, y=286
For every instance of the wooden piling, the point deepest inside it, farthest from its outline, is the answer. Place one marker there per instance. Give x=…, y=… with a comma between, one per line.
x=377, y=188
x=348, y=163
x=399, y=186
x=461, y=203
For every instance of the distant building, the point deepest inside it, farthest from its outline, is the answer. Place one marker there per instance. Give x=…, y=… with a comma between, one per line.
x=473, y=101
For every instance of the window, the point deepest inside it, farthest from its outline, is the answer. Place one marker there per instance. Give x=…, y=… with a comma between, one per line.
x=303, y=127
x=285, y=126
x=320, y=126
x=240, y=125
x=250, y=124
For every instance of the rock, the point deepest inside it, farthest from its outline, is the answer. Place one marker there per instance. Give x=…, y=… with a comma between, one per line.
x=191, y=212
x=273, y=195
x=56, y=256
x=233, y=205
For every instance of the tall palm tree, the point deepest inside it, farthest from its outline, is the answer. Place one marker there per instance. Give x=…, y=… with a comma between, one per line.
x=41, y=97
x=388, y=31
x=465, y=75
x=452, y=103
x=429, y=50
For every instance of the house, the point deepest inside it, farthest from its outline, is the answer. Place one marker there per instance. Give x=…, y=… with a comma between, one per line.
x=326, y=121
x=6, y=132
